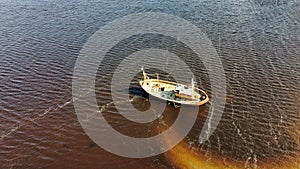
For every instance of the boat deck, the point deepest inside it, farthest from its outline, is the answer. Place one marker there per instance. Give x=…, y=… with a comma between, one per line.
x=167, y=90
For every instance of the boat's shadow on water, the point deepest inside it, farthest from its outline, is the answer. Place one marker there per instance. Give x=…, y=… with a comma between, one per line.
x=138, y=92
x=134, y=92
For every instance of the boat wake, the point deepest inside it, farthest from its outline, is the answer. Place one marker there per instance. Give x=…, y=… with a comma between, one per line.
x=33, y=120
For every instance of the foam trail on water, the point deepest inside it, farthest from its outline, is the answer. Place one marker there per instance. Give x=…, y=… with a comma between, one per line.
x=32, y=120
x=52, y=109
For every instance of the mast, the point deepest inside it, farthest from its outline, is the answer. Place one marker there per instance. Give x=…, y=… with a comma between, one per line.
x=193, y=87
x=144, y=74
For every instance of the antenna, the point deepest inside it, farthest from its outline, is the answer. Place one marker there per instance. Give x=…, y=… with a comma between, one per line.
x=157, y=76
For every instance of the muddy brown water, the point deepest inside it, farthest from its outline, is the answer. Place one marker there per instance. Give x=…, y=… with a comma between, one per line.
x=257, y=41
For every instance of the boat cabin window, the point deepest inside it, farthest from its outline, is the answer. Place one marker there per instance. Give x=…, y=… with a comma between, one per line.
x=178, y=87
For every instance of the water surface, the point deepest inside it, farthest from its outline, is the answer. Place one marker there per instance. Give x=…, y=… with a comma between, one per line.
x=258, y=42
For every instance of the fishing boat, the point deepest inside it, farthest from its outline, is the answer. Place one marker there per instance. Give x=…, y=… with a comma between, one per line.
x=172, y=92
